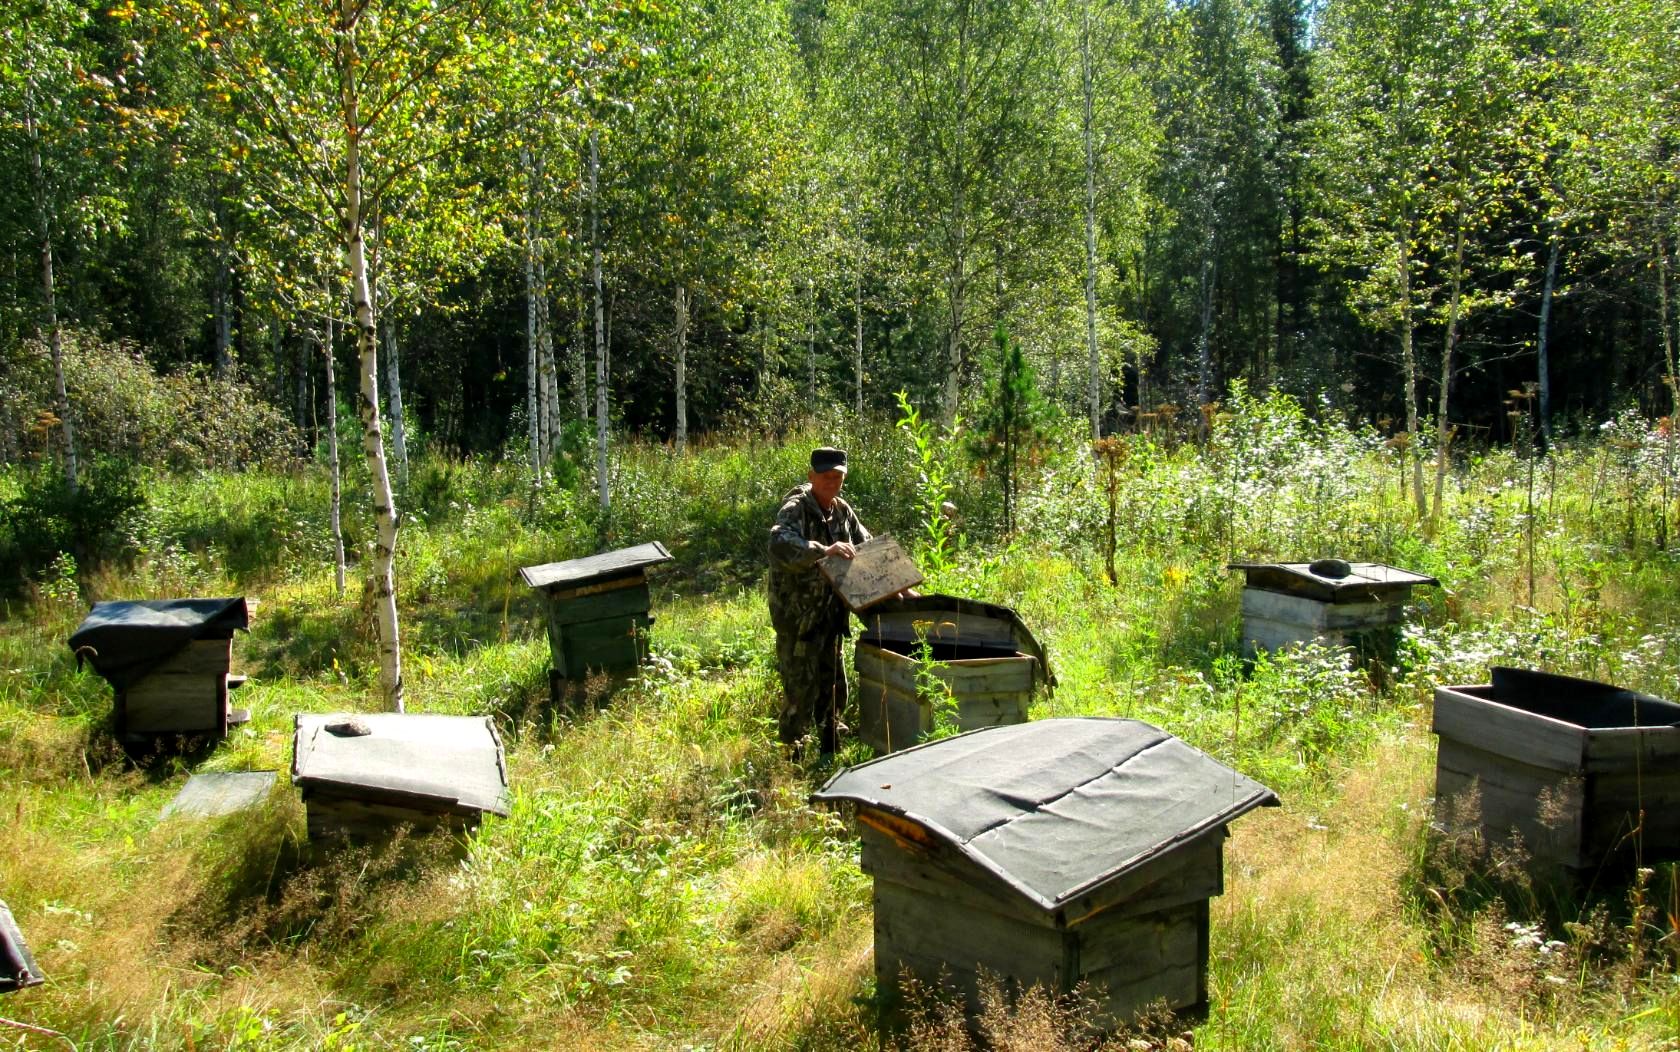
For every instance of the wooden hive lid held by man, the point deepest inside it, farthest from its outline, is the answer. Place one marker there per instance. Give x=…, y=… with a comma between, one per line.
x=450, y=764
x=1055, y=810
x=574, y=574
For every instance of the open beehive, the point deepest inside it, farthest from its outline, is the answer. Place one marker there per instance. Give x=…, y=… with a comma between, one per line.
x=985, y=660
x=167, y=661
x=1064, y=853
x=1585, y=774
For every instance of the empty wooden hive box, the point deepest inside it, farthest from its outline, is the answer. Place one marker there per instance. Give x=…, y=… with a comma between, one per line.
x=1586, y=774
x=1055, y=853
x=982, y=653
x=362, y=775
x=168, y=662
x=1329, y=602
x=597, y=608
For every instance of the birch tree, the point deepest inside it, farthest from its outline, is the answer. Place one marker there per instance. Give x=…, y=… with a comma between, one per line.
x=339, y=103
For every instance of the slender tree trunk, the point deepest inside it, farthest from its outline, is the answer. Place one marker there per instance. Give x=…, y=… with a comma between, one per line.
x=1443, y=429
x=393, y=392
x=1408, y=362
x=533, y=411
x=1088, y=131
x=600, y=322
x=578, y=364
x=335, y=512
x=679, y=336
x=222, y=297
x=49, y=291
x=545, y=362
x=380, y=569
x=1543, y=368
x=857, y=337
x=1204, y=335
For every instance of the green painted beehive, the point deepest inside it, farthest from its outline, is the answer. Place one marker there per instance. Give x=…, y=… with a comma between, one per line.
x=597, y=609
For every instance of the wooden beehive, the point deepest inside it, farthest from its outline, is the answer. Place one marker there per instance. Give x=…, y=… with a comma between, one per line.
x=1064, y=853
x=597, y=608
x=1586, y=774
x=982, y=653
x=168, y=663
x=363, y=775
x=1286, y=604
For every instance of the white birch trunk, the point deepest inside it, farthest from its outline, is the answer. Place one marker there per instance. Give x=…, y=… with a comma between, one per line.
x=533, y=420
x=1443, y=430
x=857, y=337
x=1088, y=130
x=600, y=323
x=1408, y=361
x=49, y=291
x=545, y=363
x=380, y=566
x=393, y=393
x=680, y=338
x=1543, y=367
x=335, y=514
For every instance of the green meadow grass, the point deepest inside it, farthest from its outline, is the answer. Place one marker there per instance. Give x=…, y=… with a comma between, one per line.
x=662, y=881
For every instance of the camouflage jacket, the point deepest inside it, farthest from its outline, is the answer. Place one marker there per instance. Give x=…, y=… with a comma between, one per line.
x=801, y=599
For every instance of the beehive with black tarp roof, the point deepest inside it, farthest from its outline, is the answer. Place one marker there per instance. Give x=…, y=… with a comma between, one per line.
x=167, y=661
x=1058, y=853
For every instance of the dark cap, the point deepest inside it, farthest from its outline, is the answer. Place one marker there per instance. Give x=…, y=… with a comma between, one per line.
x=828, y=459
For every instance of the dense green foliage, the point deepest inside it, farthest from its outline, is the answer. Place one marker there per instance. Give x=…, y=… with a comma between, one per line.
x=1357, y=206
x=662, y=882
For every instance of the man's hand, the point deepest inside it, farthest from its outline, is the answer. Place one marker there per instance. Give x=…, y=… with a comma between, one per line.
x=843, y=549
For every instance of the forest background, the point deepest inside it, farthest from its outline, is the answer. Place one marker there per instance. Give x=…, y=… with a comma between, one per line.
x=1385, y=282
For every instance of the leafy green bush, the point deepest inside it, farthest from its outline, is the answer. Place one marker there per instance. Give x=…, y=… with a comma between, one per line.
x=46, y=517
x=186, y=420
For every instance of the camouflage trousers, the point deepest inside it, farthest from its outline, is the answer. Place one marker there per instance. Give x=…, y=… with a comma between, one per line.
x=813, y=688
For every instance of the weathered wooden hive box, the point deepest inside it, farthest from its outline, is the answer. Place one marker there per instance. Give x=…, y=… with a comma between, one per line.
x=362, y=775
x=1330, y=602
x=597, y=608
x=1586, y=774
x=984, y=655
x=1056, y=853
x=168, y=662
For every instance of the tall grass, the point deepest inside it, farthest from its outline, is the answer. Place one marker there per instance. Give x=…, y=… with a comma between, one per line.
x=662, y=881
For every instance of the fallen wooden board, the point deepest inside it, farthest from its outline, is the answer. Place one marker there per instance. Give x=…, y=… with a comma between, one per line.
x=879, y=570
x=220, y=793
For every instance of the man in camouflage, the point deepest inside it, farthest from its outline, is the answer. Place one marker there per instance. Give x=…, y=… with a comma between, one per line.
x=807, y=613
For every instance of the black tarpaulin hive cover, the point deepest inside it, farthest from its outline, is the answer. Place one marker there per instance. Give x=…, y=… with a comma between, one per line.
x=1059, y=807
x=125, y=640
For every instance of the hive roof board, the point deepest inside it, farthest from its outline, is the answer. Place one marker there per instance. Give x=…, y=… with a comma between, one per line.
x=573, y=573
x=454, y=762
x=1059, y=807
x=1364, y=580
x=880, y=569
x=124, y=640
x=214, y=793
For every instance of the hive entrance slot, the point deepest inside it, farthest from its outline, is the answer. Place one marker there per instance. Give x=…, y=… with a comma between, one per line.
x=939, y=651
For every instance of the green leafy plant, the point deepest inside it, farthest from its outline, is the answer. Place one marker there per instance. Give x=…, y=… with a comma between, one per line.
x=931, y=686
x=938, y=542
